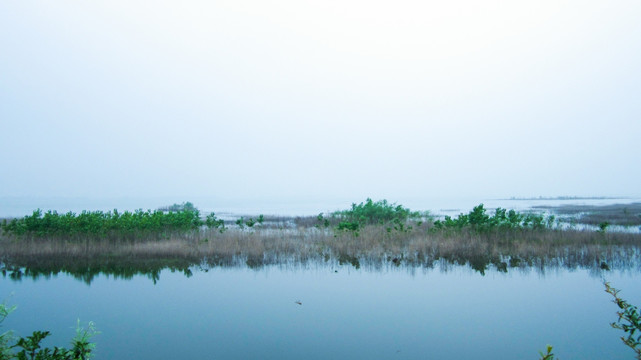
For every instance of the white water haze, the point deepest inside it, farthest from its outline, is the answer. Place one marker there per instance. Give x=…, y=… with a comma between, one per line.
x=284, y=99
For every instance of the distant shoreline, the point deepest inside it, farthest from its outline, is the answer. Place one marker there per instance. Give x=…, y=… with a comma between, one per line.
x=568, y=198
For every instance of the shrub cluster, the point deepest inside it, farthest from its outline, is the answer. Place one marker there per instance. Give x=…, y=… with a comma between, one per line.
x=396, y=217
x=478, y=219
x=99, y=223
x=250, y=222
x=370, y=212
x=185, y=217
x=374, y=213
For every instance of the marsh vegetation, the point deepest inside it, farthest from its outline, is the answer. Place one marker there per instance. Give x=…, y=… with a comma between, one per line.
x=369, y=235
x=372, y=233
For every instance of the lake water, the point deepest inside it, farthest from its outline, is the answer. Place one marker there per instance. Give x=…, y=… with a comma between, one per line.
x=445, y=312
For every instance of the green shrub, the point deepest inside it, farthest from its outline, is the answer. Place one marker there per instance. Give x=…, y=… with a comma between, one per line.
x=348, y=225
x=101, y=224
x=214, y=223
x=602, y=226
x=370, y=212
x=374, y=213
x=479, y=220
x=322, y=221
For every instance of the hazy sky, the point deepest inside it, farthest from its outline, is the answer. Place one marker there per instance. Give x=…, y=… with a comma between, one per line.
x=312, y=99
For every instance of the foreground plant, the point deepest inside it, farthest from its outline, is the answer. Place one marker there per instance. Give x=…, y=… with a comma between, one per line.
x=5, y=337
x=548, y=355
x=629, y=321
x=30, y=348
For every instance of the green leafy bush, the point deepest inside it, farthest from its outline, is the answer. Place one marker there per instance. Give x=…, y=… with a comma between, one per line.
x=101, y=224
x=374, y=213
x=603, y=226
x=322, y=221
x=348, y=225
x=241, y=222
x=370, y=212
x=479, y=220
x=213, y=222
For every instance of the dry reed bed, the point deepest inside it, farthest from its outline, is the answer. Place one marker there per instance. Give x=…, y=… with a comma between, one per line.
x=419, y=247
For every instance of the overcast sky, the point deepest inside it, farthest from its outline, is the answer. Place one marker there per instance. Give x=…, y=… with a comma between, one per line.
x=297, y=99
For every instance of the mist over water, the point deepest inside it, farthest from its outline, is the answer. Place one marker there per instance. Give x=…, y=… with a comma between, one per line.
x=293, y=108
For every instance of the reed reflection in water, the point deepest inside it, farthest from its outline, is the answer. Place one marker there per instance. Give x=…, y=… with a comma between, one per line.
x=373, y=249
x=407, y=312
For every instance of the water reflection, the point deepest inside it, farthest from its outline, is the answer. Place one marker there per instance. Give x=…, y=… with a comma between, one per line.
x=594, y=258
x=399, y=306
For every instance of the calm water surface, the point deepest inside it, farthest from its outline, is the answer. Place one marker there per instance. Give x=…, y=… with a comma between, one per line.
x=448, y=312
